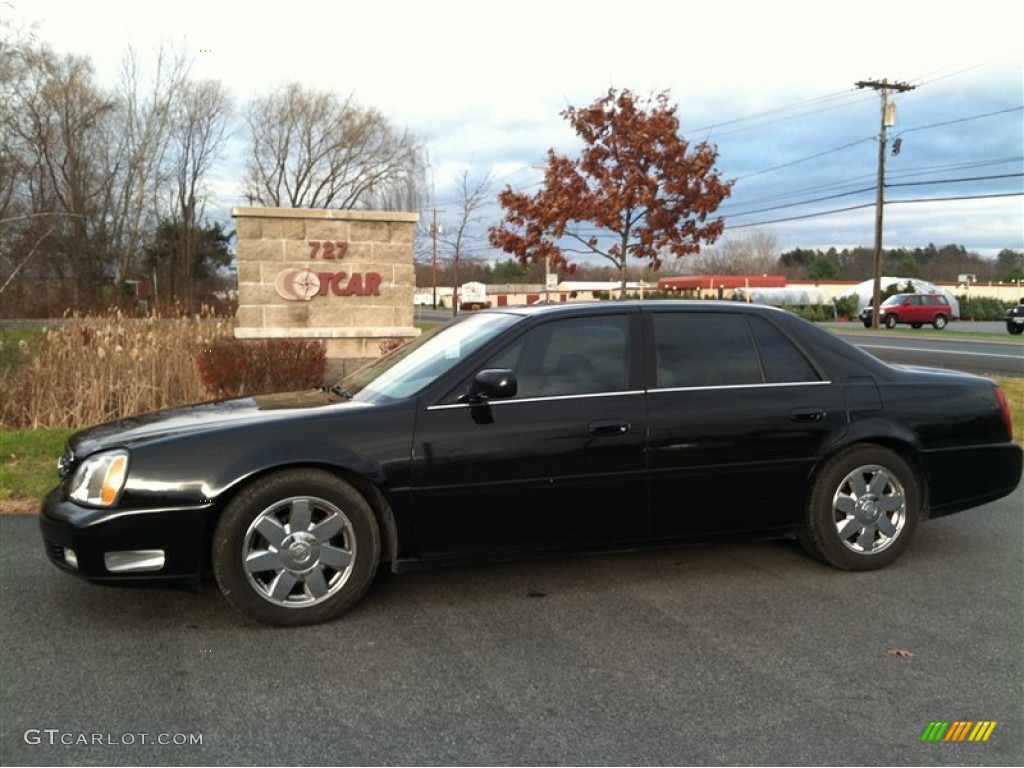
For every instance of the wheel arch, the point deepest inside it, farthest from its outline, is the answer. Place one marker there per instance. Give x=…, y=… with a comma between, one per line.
x=382, y=510
x=902, y=447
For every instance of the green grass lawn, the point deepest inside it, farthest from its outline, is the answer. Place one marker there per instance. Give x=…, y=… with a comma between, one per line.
x=28, y=466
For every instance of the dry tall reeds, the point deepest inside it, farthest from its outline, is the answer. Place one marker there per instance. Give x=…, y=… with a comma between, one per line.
x=101, y=367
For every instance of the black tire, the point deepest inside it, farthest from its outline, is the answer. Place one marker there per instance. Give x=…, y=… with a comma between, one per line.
x=867, y=323
x=1016, y=330
x=317, y=537
x=939, y=322
x=890, y=321
x=915, y=325
x=863, y=509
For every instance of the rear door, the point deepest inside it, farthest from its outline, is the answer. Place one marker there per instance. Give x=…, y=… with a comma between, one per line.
x=738, y=415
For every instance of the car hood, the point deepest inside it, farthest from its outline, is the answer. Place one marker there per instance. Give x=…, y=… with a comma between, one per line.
x=209, y=416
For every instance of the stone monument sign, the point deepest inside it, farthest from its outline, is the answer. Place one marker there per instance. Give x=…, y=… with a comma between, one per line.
x=345, y=277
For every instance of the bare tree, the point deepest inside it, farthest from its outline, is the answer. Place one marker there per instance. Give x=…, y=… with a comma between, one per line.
x=139, y=146
x=473, y=195
x=750, y=252
x=199, y=125
x=57, y=122
x=310, y=149
x=85, y=165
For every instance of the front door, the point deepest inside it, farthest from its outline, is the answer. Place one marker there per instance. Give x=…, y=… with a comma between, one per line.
x=561, y=464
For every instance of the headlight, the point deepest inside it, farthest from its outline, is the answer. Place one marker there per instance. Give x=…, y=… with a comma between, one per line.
x=100, y=479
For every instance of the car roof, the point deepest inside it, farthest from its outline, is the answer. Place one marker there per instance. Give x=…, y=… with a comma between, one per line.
x=633, y=305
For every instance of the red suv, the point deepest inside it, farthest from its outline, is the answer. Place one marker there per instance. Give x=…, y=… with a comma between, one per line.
x=914, y=309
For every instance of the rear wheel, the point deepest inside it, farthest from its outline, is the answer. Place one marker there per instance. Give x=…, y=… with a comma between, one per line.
x=863, y=509
x=890, y=321
x=300, y=546
x=939, y=322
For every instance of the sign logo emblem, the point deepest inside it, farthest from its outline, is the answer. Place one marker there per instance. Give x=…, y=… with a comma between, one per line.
x=959, y=730
x=297, y=284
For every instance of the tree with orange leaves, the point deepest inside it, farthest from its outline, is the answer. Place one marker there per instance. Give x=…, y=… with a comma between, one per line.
x=637, y=183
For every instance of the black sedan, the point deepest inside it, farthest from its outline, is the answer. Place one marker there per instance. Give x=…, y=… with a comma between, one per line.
x=520, y=431
x=1015, y=319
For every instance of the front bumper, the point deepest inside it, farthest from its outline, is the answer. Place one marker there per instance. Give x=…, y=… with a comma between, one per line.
x=126, y=546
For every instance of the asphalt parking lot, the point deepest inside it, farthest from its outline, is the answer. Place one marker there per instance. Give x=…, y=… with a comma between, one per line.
x=733, y=653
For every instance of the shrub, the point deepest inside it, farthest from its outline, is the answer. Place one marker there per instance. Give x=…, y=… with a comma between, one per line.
x=816, y=313
x=96, y=368
x=983, y=308
x=234, y=368
x=846, y=307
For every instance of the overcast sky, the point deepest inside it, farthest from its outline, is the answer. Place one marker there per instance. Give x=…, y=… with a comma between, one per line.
x=770, y=83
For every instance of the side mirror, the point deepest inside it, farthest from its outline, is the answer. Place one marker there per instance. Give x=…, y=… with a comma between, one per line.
x=491, y=384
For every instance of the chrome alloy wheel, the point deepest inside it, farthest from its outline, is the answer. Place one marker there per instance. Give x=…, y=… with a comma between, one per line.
x=299, y=551
x=869, y=509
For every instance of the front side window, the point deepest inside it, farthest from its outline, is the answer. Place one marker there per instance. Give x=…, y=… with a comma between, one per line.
x=583, y=355
x=409, y=369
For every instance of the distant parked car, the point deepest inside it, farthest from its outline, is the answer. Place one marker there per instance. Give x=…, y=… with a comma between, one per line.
x=531, y=430
x=1015, y=319
x=913, y=309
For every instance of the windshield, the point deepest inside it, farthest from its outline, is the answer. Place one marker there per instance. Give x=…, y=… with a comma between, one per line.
x=409, y=369
x=895, y=299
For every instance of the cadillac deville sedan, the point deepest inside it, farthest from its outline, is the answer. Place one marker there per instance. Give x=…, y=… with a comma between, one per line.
x=514, y=432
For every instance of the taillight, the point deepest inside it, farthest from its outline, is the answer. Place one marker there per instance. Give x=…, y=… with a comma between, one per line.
x=1005, y=405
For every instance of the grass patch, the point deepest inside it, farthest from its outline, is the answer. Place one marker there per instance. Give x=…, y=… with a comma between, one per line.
x=1014, y=389
x=18, y=346
x=28, y=466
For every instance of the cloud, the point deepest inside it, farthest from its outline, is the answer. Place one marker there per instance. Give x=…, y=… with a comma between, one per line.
x=771, y=84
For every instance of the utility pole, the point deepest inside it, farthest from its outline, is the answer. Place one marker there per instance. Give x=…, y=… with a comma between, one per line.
x=888, y=113
x=433, y=233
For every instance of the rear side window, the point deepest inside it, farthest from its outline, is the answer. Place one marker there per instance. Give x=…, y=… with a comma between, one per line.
x=704, y=349
x=700, y=349
x=782, y=361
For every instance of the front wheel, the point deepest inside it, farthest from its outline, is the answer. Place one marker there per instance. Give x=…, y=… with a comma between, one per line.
x=890, y=321
x=296, y=547
x=939, y=322
x=863, y=509
x=1016, y=330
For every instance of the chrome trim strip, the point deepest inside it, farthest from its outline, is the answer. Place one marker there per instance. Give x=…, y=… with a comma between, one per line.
x=659, y=390
x=513, y=401
x=134, y=560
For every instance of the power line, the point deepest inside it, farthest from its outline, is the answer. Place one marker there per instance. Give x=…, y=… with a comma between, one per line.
x=805, y=159
x=801, y=202
x=962, y=120
x=861, y=190
x=869, y=205
x=956, y=181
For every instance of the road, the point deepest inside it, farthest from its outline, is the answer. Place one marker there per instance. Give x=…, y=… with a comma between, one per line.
x=1004, y=357
x=734, y=653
